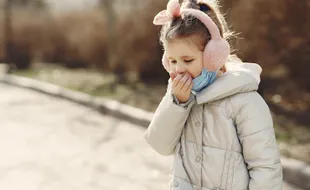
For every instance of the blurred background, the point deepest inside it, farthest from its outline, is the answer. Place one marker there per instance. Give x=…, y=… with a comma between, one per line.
x=110, y=48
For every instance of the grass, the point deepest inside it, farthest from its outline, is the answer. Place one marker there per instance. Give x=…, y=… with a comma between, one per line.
x=98, y=84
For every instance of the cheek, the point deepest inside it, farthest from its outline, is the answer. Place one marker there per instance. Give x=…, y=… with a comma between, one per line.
x=173, y=68
x=196, y=69
x=196, y=74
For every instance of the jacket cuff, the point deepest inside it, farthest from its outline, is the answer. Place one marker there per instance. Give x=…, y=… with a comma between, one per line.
x=184, y=105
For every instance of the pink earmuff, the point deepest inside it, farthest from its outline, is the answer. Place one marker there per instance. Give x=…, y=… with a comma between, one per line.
x=217, y=50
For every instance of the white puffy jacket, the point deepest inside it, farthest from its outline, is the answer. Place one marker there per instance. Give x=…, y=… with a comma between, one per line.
x=223, y=139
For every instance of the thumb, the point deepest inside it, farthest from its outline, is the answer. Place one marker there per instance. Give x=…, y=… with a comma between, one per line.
x=172, y=75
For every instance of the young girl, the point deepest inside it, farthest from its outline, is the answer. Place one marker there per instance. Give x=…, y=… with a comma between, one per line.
x=212, y=119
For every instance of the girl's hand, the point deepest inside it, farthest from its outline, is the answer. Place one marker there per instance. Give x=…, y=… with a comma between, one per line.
x=181, y=86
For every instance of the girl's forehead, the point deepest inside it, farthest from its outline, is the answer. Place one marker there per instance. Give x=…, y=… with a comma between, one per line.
x=193, y=41
x=181, y=47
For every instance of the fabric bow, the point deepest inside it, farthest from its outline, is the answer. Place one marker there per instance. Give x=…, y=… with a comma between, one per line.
x=173, y=10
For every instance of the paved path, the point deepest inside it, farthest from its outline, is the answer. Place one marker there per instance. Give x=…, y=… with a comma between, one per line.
x=52, y=144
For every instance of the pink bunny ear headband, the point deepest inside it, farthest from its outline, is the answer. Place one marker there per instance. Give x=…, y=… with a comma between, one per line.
x=217, y=50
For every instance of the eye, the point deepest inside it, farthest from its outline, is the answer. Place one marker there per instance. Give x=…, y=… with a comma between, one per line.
x=189, y=61
x=173, y=61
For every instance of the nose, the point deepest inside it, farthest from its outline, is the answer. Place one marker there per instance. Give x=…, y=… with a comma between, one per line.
x=180, y=69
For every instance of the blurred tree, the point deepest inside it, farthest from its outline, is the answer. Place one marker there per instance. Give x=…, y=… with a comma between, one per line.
x=13, y=56
x=114, y=61
x=8, y=32
x=30, y=3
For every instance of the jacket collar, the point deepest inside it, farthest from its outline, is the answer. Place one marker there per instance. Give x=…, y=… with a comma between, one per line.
x=238, y=78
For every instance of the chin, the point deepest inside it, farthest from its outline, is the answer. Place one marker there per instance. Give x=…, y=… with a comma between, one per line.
x=194, y=76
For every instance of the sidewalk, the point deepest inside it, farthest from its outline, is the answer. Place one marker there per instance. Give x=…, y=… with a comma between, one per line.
x=3, y=69
x=52, y=144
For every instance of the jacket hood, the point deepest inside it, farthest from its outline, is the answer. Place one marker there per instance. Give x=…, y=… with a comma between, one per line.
x=238, y=78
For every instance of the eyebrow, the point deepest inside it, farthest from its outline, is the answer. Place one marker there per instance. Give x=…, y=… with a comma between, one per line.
x=183, y=57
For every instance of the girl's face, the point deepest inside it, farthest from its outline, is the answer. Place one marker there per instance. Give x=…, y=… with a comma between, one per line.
x=184, y=57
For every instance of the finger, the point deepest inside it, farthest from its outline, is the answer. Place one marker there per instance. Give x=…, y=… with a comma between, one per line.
x=172, y=75
x=189, y=85
x=183, y=82
x=177, y=80
x=188, y=77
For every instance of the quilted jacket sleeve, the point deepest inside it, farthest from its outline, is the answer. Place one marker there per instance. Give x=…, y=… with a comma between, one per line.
x=256, y=134
x=167, y=124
